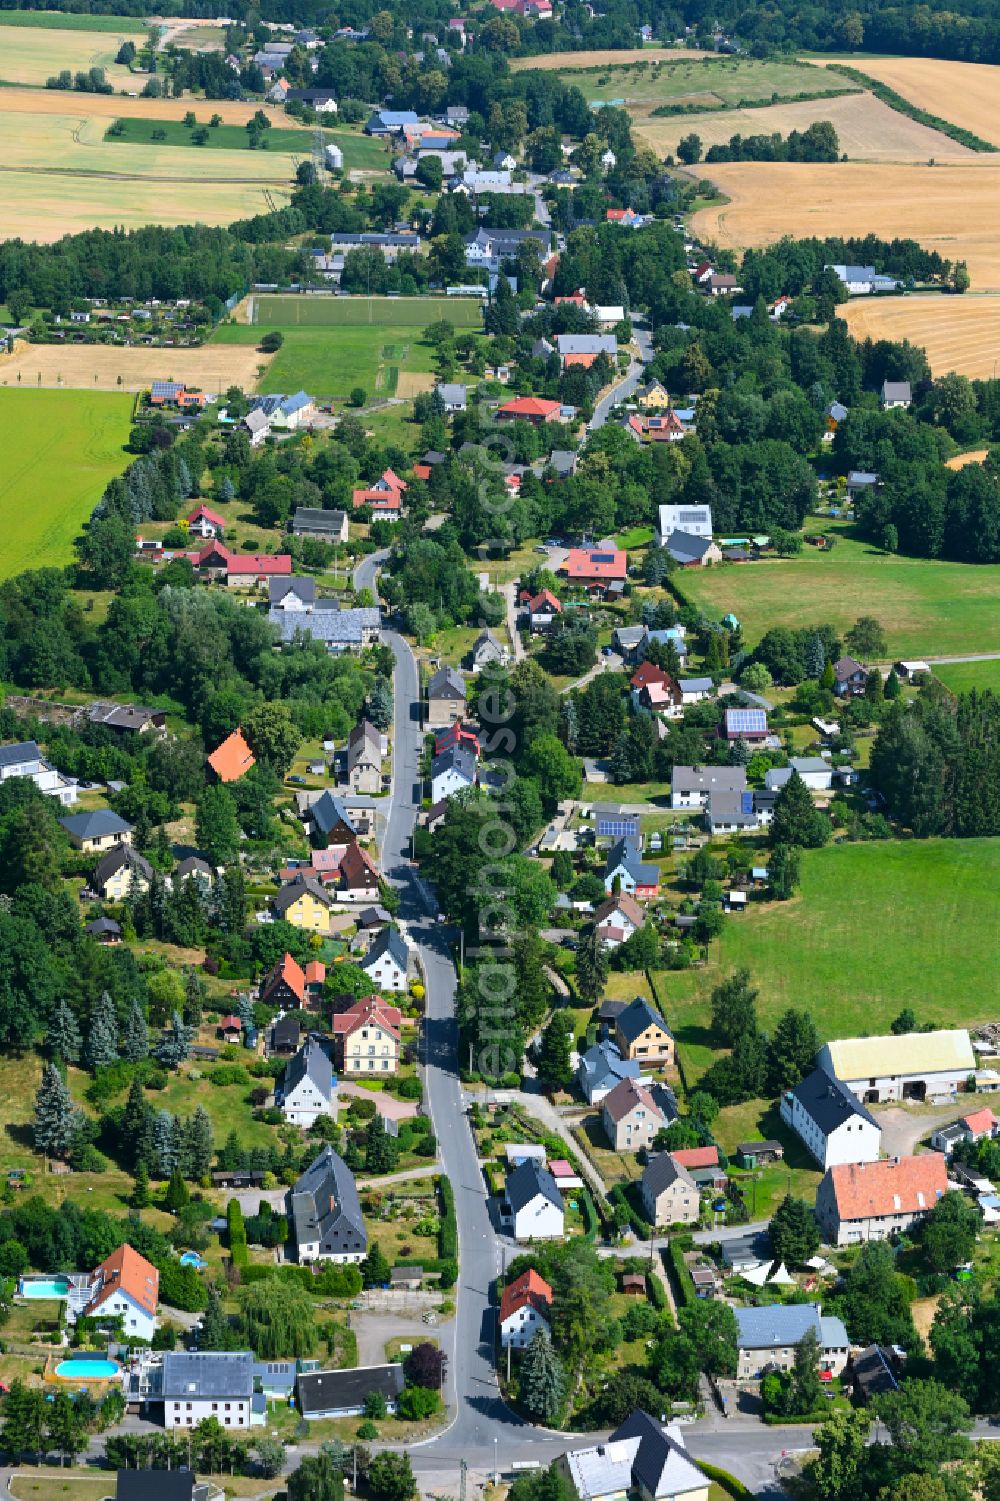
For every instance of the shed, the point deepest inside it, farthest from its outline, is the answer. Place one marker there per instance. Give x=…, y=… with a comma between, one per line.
x=634, y=1285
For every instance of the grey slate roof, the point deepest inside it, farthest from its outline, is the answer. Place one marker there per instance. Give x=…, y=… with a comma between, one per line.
x=324, y=1205
x=661, y=1466
x=602, y=1067
x=624, y=853
x=311, y=1061
x=292, y=890
x=637, y=1016
x=448, y=683
x=389, y=941
x=459, y=757
x=778, y=1326
x=16, y=755
x=334, y=626
x=326, y=1391
x=828, y=1102
x=708, y=779
x=317, y=519
x=96, y=825
x=662, y=1171
x=204, y=1373
x=303, y=587
x=117, y=857
x=684, y=547
x=527, y=1182
x=327, y=812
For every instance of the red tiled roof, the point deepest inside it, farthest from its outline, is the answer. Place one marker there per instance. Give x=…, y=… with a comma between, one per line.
x=230, y=1024
x=546, y=597
x=289, y=970
x=647, y=673
x=584, y=361
x=625, y=1096
x=529, y=406
x=528, y=1289
x=382, y=500
x=232, y=758
x=371, y=1010
x=271, y=565
x=315, y=972
x=696, y=1157
x=896, y=1185
x=209, y=515
x=594, y=563
x=422, y=471
x=128, y=1272
x=980, y=1121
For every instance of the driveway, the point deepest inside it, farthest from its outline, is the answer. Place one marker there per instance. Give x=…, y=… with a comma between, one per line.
x=903, y=1129
x=626, y=387
x=387, y=1105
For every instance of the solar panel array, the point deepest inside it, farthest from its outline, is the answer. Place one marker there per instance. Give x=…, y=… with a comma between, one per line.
x=602, y=557
x=749, y=721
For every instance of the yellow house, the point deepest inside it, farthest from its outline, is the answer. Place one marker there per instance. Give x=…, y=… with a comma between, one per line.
x=305, y=904
x=99, y=830
x=120, y=871
x=653, y=397
x=368, y=1037
x=642, y=1034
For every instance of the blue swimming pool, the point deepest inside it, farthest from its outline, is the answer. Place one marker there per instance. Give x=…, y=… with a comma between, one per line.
x=44, y=1287
x=87, y=1370
x=191, y=1258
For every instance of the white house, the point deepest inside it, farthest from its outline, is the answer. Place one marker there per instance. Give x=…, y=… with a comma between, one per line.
x=125, y=1286
x=814, y=771
x=695, y=521
x=524, y=1309
x=914, y=1066
x=387, y=960
x=861, y=1201
x=325, y=1212
x=831, y=1120
x=453, y=771
x=617, y=918
x=535, y=1203
x=308, y=1088
x=209, y=1384
x=641, y=1459
x=691, y=786
x=26, y=760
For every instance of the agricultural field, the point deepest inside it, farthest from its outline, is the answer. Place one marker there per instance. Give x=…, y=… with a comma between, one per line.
x=59, y=451
x=832, y=952
x=949, y=208
x=103, y=367
x=276, y=311
x=964, y=93
x=31, y=54
x=926, y=607
x=958, y=333
x=62, y=20
x=962, y=677
x=867, y=129
x=112, y=106
x=559, y=62
x=330, y=363
x=971, y=456
x=359, y=151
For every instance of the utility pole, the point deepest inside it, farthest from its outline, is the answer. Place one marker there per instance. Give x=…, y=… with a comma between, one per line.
x=463, y=1470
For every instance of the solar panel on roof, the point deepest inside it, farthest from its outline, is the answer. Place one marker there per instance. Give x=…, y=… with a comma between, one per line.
x=603, y=557
x=746, y=719
x=746, y=802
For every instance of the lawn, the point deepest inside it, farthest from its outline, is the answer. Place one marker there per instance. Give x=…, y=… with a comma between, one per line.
x=926, y=607
x=129, y=130
x=708, y=83
x=277, y=311
x=330, y=362
x=873, y=928
x=960, y=677
x=797, y=1173
x=61, y=20
x=59, y=450
x=57, y=1485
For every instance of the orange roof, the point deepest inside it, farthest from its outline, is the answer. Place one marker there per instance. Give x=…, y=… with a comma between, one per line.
x=391, y=480
x=128, y=1272
x=529, y=406
x=386, y=500
x=584, y=361
x=594, y=563
x=545, y=598
x=230, y=1023
x=289, y=970
x=980, y=1121
x=372, y=1009
x=232, y=758
x=647, y=673
x=896, y=1185
x=527, y=1289
x=315, y=972
x=422, y=471
x=696, y=1157
x=209, y=515
x=260, y=563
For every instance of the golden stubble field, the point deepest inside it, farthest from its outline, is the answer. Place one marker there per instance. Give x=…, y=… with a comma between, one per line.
x=556, y=61
x=964, y=93
x=97, y=367
x=958, y=333
x=952, y=209
x=868, y=130
x=31, y=54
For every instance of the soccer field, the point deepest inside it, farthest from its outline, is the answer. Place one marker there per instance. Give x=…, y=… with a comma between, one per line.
x=59, y=449
x=276, y=311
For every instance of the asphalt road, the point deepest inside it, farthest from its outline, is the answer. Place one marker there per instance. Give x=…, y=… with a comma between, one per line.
x=627, y=385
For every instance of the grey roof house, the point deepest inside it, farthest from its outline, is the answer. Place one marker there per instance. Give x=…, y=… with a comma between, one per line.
x=308, y=1088
x=325, y=1212
x=601, y=1068
x=342, y=1394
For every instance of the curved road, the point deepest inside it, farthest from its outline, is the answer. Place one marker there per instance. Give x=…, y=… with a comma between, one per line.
x=627, y=385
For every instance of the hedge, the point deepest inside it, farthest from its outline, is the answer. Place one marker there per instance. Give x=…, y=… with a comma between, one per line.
x=237, y=1234
x=448, y=1232
x=332, y=1282
x=682, y=1277
x=729, y=1483
x=656, y=1292
x=897, y=102
x=591, y=1223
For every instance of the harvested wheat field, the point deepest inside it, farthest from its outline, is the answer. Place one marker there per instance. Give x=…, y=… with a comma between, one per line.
x=963, y=93
x=959, y=461
x=951, y=209
x=31, y=54
x=414, y=383
x=97, y=367
x=868, y=130
x=109, y=106
x=555, y=61
x=958, y=333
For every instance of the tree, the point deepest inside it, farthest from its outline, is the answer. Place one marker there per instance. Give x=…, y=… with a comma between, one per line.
x=794, y=1045
x=837, y=1473
x=417, y=1403
x=272, y=736
x=102, y=1037
x=376, y=1406
x=689, y=149
x=734, y=1008
x=426, y=1365
x=380, y=704
x=796, y=820
x=140, y=1189
x=623, y=1393
x=591, y=967
x=57, y=1120
x=892, y=688
x=805, y=1388
x=711, y=1327
x=390, y=1477
x=65, y=1429
x=270, y=1454
x=554, y=1051
x=794, y=1232
x=756, y=678
x=783, y=872
x=278, y=1319
x=175, y=1044
x=381, y=1149
x=949, y=1232
x=217, y=829
x=135, y=1041
x=198, y=1147
x=905, y=1022
x=542, y=1383
x=866, y=638
x=24, y=1417
x=316, y=1477
x=63, y=1036
x=875, y=1304
x=927, y=1426
x=375, y=1267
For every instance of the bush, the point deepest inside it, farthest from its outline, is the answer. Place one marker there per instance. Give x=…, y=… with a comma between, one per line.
x=418, y=1402
x=367, y=1431
x=228, y=1073
x=237, y=1234
x=448, y=1231
x=409, y=1089
x=682, y=1277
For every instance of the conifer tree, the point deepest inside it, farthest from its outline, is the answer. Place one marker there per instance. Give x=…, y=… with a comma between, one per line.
x=63, y=1037
x=102, y=1038
x=57, y=1120
x=135, y=1040
x=543, y=1380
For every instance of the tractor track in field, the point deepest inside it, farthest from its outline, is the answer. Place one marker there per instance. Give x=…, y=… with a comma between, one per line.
x=77, y=172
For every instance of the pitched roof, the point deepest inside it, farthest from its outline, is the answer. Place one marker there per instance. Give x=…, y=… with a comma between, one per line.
x=127, y=1272
x=325, y=1199
x=357, y=868
x=911, y=1053
x=594, y=563
x=529, y=1180
x=95, y=825
x=624, y=1098
x=828, y=1102
x=664, y=1170
x=529, y=406
x=448, y=683
x=708, y=778
x=847, y=667
x=895, y=1185
x=328, y=811
x=694, y=1158
x=371, y=1011
x=980, y=1121
x=118, y=857
x=290, y=971
x=602, y=1066
x=312, y=1062
x=746, y=721
x=660, y=1463
x=685, y=546
x=776, y=1326
x=293, y=891
x=625, y=855
x=232, y=759
x=390, y=941
x=637, y=1016
x=207, y=1373
x=621, y=903
x=528, y=1290
x=458, y=758
x=209, y=515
